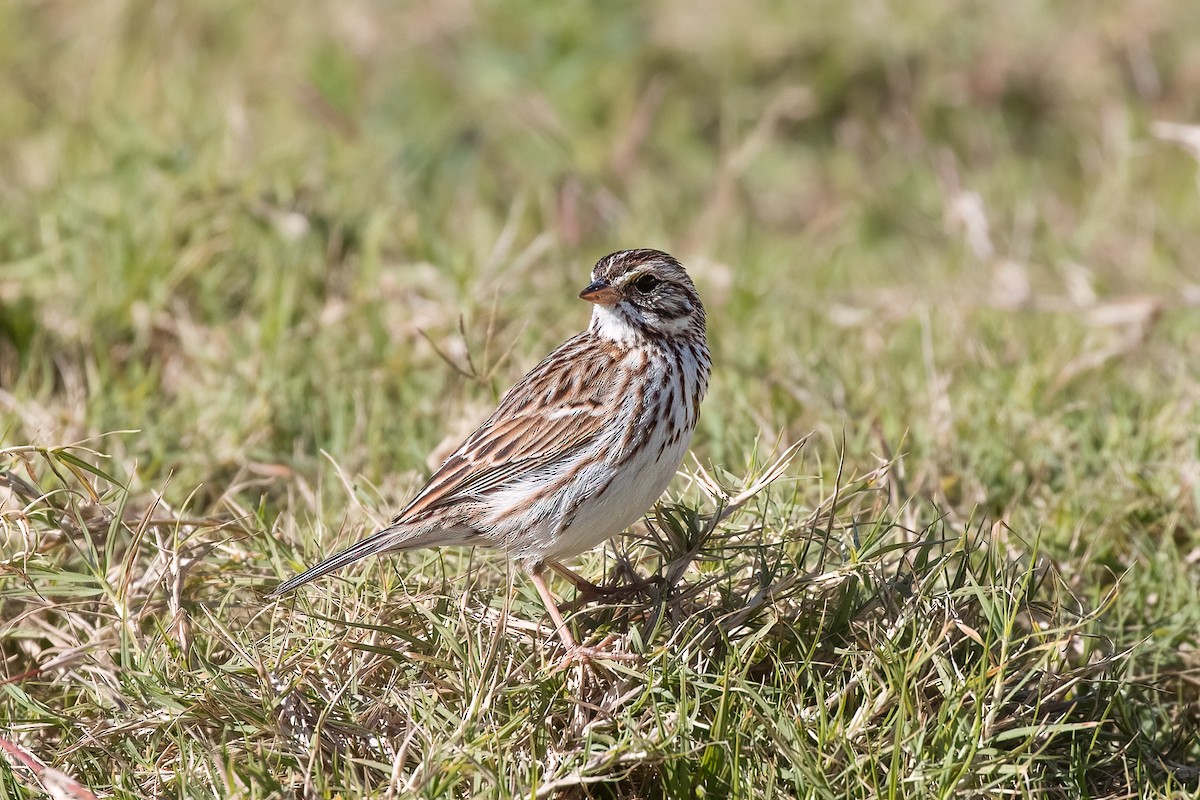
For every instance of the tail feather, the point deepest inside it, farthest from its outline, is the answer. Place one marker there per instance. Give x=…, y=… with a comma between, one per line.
x=383, y=541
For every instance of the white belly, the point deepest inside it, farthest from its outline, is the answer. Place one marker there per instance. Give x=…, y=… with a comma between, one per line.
x=635, y=488
x=605, y=501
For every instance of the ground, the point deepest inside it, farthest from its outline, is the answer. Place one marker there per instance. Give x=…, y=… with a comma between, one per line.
x=261, y=265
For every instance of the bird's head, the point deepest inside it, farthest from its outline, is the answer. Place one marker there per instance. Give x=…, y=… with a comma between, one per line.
x=641, y=293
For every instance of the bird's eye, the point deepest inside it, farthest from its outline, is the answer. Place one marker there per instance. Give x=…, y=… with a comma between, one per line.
x=646, y=284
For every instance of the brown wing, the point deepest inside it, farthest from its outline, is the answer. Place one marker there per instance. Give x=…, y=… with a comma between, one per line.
x=558, y=408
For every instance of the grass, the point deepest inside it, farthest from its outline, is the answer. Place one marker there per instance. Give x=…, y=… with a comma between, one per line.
x=259, y=262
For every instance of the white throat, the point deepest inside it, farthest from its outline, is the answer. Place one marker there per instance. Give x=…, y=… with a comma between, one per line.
x=610, y=324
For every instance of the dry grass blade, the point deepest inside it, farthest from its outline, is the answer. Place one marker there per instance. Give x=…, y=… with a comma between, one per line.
x=730, y=505
x=55, y=783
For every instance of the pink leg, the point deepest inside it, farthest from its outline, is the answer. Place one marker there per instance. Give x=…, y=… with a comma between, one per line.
x=581, y=584
x=538, y=575
x=575, y=653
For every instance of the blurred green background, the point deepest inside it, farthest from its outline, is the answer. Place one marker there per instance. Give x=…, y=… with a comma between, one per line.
x=867, y=192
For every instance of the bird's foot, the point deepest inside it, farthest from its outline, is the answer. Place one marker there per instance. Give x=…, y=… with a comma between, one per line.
x=585, y=655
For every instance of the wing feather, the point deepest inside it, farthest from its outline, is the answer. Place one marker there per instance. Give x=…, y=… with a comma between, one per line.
x=551, y=414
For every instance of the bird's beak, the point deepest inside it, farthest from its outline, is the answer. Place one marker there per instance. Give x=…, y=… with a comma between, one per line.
x=600, y=293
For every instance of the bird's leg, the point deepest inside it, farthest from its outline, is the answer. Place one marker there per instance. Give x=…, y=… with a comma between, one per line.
x=586, y=588
x=589, y=591
x=538, y=575
x=575, y=652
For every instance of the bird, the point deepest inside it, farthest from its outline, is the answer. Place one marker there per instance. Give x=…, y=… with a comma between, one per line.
x=578, y=449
